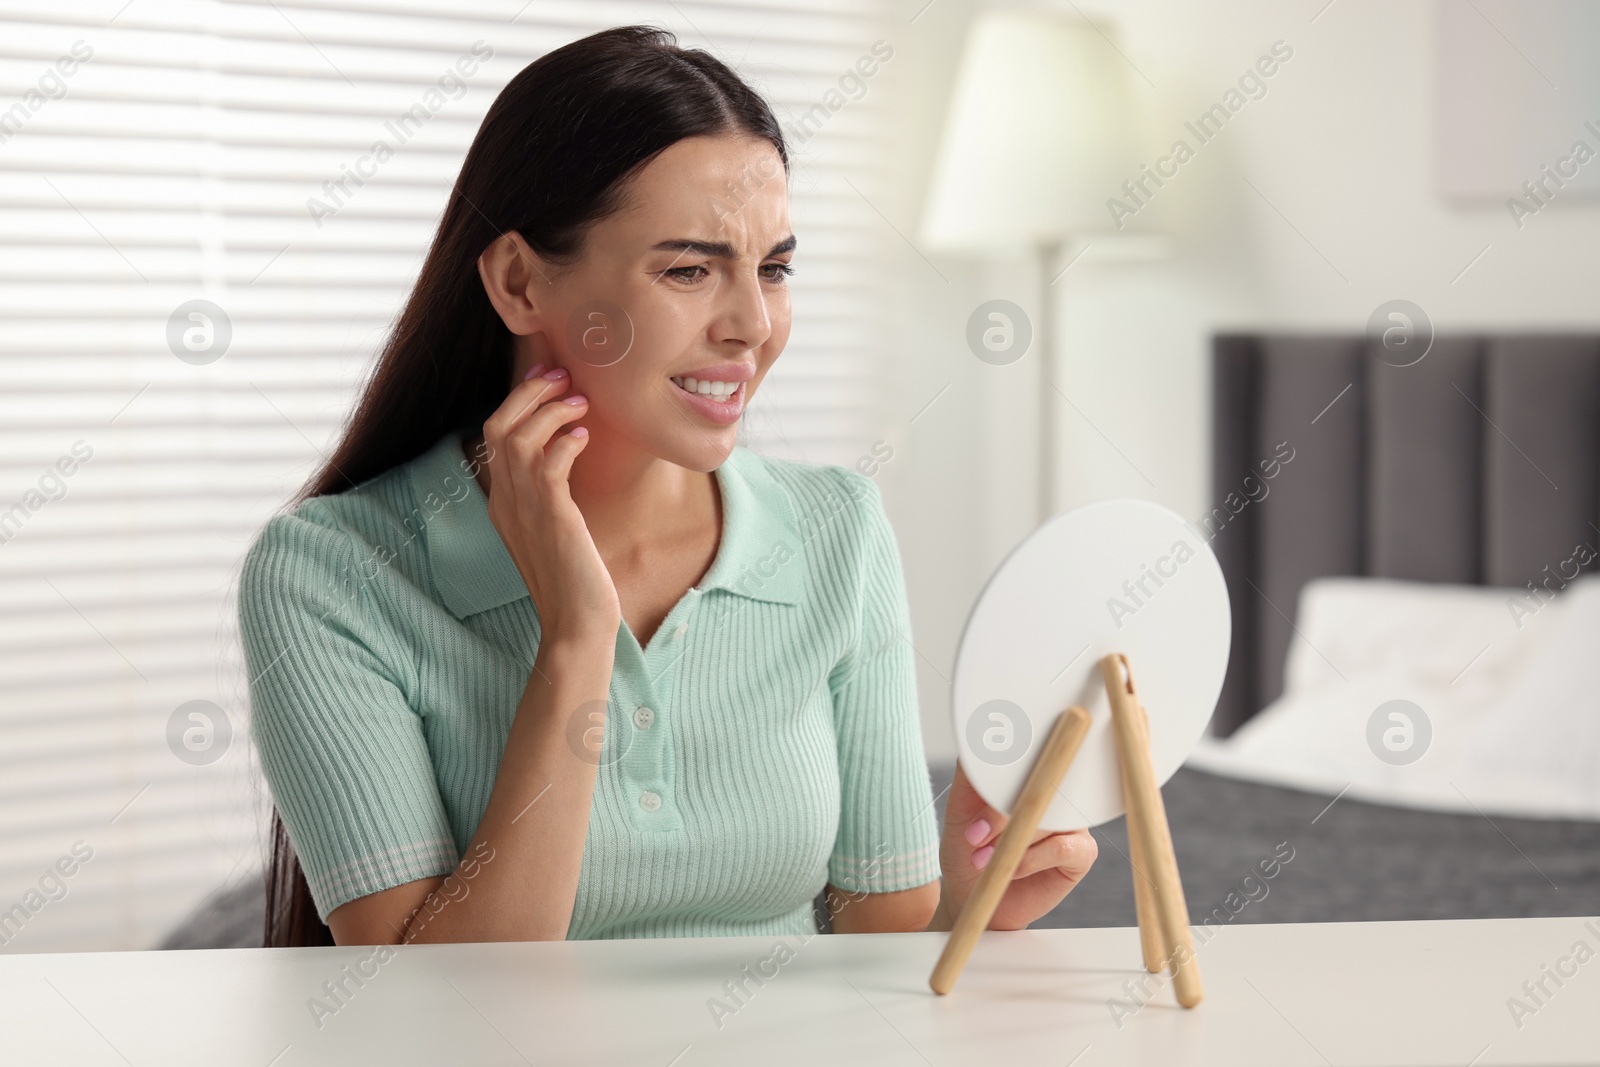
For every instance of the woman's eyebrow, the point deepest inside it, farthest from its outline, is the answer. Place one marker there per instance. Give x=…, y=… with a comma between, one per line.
x=716, y=249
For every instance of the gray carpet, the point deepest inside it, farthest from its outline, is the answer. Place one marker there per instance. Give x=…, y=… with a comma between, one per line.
x=1352, y=861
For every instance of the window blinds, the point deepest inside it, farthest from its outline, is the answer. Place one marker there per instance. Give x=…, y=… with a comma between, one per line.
x=182, y=328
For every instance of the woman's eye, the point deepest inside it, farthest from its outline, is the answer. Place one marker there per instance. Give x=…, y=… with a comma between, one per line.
x=772, y=272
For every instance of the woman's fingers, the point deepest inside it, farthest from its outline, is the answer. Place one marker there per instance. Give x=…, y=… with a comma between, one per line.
x=1072, y=852
x=518, y=406
x=522, y=401
x=558, y=459
x=984, y=831
x=526, y=444
x=964, y=803
x=531, y=507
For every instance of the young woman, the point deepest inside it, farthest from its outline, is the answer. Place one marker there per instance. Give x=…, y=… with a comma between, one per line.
x=542, y=653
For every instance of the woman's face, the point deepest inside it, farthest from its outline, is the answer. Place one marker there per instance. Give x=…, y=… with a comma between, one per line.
x=678, y=307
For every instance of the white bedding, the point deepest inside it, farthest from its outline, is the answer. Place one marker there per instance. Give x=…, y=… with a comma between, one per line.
x=1513, y=699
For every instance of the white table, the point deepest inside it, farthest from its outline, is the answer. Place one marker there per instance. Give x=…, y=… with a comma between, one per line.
x=1335, y=993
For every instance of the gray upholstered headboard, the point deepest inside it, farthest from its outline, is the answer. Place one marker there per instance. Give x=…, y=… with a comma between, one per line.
x=1479, y=464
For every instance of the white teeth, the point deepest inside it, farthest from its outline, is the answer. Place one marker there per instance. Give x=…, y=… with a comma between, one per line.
x=719, y=391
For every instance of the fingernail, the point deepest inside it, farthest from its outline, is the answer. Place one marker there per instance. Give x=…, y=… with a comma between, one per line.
x=574, y=400
x=980, y=858
x=533, y=371
x=555, y=373
x=578, y=431
x=977, y=831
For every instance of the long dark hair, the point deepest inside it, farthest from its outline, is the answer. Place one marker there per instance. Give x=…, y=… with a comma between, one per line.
x=550, y=160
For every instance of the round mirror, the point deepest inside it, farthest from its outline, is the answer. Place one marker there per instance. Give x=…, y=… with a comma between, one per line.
x=1123, y=576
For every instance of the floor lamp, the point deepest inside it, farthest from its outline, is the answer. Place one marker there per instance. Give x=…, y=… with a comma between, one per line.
x=1038, y=136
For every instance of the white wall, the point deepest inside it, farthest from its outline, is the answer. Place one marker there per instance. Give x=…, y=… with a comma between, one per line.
x=1343, y=216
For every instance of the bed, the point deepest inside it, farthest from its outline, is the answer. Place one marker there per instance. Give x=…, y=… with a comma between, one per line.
x=1419, y=504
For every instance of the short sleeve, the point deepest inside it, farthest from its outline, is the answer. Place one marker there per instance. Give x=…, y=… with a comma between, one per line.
x=342, y=749
x=888, y=834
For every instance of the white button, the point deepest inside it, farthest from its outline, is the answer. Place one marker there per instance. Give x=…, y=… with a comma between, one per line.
x=643, y=717
x=649, y=801
x=683, y=628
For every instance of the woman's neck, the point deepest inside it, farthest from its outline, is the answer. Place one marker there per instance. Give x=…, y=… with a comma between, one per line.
x=630, y=499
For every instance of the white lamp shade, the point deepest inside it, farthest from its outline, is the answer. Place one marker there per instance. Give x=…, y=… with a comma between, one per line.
x=1040, y=133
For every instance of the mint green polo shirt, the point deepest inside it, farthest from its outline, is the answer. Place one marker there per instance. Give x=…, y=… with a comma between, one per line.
x=766, y=740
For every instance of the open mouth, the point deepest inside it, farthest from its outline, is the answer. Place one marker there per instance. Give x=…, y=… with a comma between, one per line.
x=721, y=392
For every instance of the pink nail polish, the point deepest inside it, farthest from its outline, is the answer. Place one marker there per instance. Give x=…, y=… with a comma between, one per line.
x=555, y=373
x=575, y=399
x=578, y=431
x=977, y=831
x=980, y=858
x=533, y=371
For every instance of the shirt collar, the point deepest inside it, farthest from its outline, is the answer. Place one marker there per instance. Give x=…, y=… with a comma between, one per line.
x=758, y=557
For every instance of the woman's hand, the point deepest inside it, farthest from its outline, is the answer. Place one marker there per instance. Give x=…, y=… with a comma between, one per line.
x=1052, y=865
x=531, y=507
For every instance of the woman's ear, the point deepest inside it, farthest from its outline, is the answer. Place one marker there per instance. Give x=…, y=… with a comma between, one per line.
x=516, y=280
